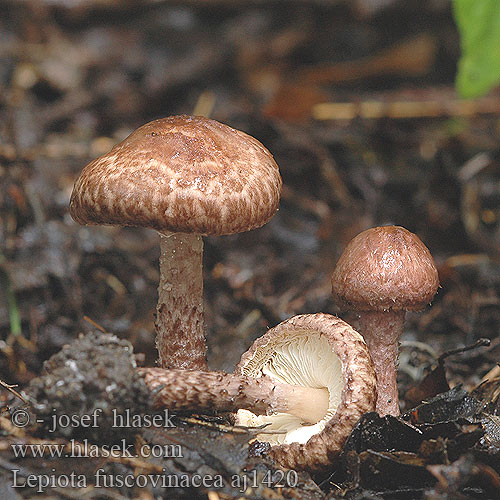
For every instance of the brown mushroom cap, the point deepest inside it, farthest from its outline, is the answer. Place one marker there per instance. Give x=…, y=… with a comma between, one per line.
x=385, y=268
x=312, y=350
x=181, y=174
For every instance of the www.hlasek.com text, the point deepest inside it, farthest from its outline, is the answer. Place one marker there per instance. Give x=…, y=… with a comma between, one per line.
x=85, y=449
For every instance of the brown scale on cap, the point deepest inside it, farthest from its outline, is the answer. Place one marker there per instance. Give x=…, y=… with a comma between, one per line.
x=385, y=268
x=382, y=273
x=181, y=174
x=188, y=175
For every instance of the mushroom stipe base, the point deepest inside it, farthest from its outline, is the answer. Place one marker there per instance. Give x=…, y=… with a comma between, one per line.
x=180, y=336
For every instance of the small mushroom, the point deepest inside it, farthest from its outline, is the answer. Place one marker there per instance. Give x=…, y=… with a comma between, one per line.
x=315, y=351
x=184, y=176
x=382, y=273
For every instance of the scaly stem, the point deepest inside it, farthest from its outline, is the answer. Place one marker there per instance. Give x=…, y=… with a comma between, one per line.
x=381, y=331
x=180, y=335
x=197, y=390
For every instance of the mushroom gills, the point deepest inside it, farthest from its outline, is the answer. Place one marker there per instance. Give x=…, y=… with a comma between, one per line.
x=300, y=358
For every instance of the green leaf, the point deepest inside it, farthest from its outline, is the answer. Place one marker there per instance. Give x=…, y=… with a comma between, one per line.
x=478, y=23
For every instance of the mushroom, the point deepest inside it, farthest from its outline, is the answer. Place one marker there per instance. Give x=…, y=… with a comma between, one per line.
x=317, y=351
x=185, y=176
x=382, y=273
x=182, y=390
x=307, y=380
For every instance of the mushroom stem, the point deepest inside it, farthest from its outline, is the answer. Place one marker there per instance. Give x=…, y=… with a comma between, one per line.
x=381, y=331
x=180, y=337
x=219, y=391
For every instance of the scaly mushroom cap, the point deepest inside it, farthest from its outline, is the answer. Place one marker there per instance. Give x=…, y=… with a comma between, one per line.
x=385, y=268
x=312, y=350
x=181, y=174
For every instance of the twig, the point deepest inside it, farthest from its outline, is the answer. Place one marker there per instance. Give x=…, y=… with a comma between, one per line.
x=14, y=316
x=11, y=389
x=413, y=56
x=233, y=429
x=205, y=104
x=479, y=343
x=493, y=373
x=473, y=166
x=440, y=104
x=94, y=324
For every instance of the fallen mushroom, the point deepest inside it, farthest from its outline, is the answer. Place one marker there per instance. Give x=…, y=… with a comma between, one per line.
x=382, y=273
x=182, y=390
x=185, y=177
x=309, y=380
x=312, y=350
